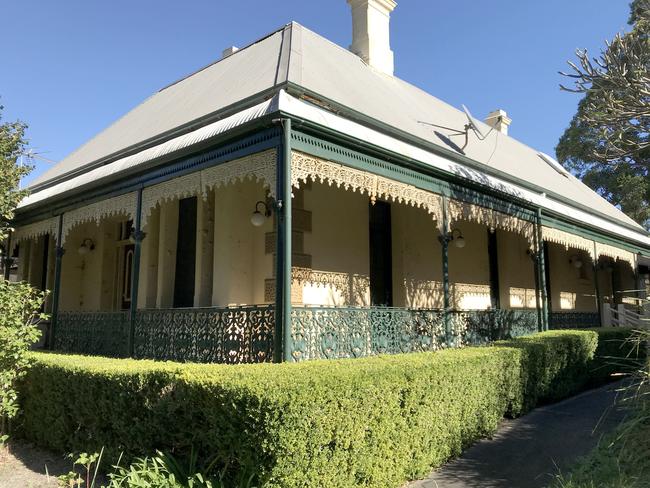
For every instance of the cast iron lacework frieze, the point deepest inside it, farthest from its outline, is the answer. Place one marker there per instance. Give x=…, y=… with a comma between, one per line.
x=206, y=335
x=35, y=230
x=305, y=168
x=256, y=167
x=120, y=205
x=95, y=333
x=573, y=320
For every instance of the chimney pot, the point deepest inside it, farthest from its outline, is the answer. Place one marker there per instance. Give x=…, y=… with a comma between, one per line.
x=371, y=32
x=228, y=51
x=499, y=120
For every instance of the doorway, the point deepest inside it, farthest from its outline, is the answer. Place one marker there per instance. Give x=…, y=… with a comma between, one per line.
x=381, y=255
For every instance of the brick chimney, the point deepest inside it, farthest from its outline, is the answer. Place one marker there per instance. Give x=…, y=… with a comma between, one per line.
x=499, y=120
x=371, y=32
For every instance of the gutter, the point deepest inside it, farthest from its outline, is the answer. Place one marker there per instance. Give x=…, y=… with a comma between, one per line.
x=351, y=114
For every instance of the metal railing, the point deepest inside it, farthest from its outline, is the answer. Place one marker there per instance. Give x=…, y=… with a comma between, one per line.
x=94, y=333
x=206, y=335
x=346, y=332
x=478, y=327
x=573, y=320
x=246, y=334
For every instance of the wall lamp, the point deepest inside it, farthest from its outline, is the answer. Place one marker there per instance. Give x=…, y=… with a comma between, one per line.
x=457, y=236
x=258, y=218
x=576, y=261
x=87, y=245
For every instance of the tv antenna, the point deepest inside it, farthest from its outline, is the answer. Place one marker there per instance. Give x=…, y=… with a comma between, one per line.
x=472, y=124
x=31, y=155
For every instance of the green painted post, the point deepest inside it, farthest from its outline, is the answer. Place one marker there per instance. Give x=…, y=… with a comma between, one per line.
x=138, y=235
x=596, y=285
x=283, y=343
x=57, y=281
x=537, y=272
x=444, y=241
x=542, y=270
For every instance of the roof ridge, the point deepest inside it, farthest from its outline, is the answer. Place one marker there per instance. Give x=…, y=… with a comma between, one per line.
x=257, y=41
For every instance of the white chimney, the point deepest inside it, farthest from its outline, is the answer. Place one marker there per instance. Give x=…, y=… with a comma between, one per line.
x=370, y=32
x=228, y=51
x=499, y=120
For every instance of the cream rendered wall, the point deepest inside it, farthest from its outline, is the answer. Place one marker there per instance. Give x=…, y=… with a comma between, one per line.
x=148, y=282
x=108, y=252
x=417, y=263
x=516, y=272
x=168, y=236
x=469, y=268
x=417, y=259
x=240, y=265
x=571, y=288
x=339, y=247
x=81, y=274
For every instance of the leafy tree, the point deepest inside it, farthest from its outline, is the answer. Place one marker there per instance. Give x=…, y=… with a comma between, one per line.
x=608, y=141
x=12, y=144
x=20, y=304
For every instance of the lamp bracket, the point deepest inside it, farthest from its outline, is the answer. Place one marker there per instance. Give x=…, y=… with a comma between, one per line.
x=267, y=210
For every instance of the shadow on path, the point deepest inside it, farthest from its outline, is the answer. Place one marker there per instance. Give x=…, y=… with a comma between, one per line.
x=527, y=452
x=24, y=465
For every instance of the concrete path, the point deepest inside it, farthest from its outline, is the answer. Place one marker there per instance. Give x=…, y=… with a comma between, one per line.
x=527, y=452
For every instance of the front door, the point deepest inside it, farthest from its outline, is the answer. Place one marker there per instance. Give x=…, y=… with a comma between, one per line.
x=381, y=255
x=185, y=253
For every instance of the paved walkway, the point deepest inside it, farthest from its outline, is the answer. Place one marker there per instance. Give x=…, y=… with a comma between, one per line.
x=527, y=452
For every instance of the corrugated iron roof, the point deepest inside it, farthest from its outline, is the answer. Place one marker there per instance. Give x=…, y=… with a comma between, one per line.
x=301, y=57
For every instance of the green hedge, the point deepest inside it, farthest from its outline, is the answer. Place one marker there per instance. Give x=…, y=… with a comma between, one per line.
x=615, y=354
x=362, y=422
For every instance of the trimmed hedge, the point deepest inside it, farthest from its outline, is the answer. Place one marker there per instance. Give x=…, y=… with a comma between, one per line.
x=361, y=422
x=616, y=354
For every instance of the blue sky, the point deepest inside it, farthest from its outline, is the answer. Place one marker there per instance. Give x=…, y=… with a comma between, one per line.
x=70, y=68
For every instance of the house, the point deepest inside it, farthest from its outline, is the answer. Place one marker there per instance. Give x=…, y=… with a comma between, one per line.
x=295, y=200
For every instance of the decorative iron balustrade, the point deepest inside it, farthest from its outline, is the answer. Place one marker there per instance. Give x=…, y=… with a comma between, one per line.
x=478, y=327
x=206, y=335
x=350, y=332
x=246, y=334
x=573, y=320
x=95, y=333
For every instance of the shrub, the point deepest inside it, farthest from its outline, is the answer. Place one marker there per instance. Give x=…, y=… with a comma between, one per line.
x=19, y=313
x=618, y=352
x=363, y=422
